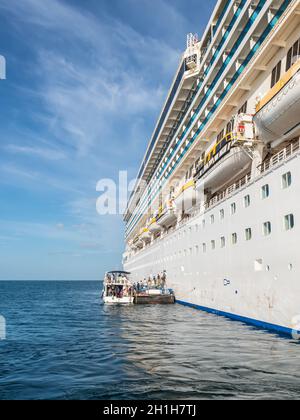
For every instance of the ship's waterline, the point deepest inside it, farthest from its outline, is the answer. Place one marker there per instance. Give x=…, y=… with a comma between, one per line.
x=225, y=224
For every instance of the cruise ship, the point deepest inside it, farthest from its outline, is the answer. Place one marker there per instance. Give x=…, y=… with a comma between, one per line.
x=216, y=205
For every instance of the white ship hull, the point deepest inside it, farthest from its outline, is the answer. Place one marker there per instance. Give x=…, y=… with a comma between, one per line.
x=231, y=129
x=256, y=281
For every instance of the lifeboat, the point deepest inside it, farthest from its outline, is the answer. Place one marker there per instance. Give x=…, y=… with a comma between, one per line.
x=153, y=226
x=186, y=197
x=138, y=242
x=234, y=161
x=277, y=114
x=145, y=235
x=168, y=217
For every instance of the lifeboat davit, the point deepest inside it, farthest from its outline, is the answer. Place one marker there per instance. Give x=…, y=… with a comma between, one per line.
x=277, y=117
x=186, y=197
x=235, y=161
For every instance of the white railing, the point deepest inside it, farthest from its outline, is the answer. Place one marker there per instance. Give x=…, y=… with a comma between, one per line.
x=280, y=157
x=229, y=191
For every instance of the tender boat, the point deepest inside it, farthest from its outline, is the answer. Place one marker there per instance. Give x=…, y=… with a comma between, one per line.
x=168, y=216
x=186, y=197
x=277, y=114
x=229, y=162
x=153, y=226
x=145, y=235
x=117, y=288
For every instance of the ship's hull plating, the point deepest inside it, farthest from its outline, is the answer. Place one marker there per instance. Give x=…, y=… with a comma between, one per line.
x=254, y=281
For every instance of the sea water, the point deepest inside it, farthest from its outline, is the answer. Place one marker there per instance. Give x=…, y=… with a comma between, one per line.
x=61, y=342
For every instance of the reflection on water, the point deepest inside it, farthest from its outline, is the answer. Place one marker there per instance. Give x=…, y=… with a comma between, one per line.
x=62, y=343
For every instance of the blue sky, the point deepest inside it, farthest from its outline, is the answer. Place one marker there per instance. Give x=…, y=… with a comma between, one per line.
x=86, y=81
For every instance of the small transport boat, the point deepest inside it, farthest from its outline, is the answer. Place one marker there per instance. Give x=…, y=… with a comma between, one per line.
x=117, y=288
x=158, y=296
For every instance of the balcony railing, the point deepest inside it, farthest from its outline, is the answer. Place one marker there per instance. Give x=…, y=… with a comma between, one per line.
x=280, y=156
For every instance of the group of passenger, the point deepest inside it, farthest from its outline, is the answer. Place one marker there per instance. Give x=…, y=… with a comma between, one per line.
x=154, y=282
x=119, y=286
x=117, y=278
x=119, y=291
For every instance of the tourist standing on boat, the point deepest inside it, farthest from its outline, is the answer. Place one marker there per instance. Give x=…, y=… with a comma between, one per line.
x=164, y=279
x=158, y=281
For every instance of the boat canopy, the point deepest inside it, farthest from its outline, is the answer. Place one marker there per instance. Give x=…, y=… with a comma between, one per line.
x=119, y=272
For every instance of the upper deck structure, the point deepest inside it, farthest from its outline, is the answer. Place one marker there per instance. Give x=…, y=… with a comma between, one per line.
x=212, y=84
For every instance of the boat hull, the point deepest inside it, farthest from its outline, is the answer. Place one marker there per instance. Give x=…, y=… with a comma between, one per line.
x=234, y=162
x=186, y=198
x=279, y=119
x=118, y=301
x=168, y=219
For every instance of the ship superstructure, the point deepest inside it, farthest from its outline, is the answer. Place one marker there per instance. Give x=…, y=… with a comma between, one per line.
x=215, y=205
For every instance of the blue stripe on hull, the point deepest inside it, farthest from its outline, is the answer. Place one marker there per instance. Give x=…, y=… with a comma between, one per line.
x=259, y=324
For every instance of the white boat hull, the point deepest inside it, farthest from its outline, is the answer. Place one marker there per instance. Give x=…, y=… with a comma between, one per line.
x=229, y=166
x=186, y=200
x=118, y=301
x=154, y=227
x=279, y=120
x=146, y=236
x=168, y=219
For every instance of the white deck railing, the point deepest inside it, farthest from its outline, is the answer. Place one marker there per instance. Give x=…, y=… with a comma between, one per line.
x=280, y=157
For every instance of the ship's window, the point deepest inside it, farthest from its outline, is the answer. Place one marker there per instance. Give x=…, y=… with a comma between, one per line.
x=233, y=208
x=248, y=232
x=212, y=219
x=223, y=242
x=286, y=180
x=229, y=127
x=293, y=55
x=234, y=238
x=267, y=228
x=258, y=265
x=247, y=201
x=219, y=147
x=265, y=191
x=204, y=248
x=243, y=109
x=220, y=135
x=289, y=222
x=213, y=245
x=276, y=73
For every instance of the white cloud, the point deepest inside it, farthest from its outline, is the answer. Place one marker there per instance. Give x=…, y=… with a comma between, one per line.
x=40, y=152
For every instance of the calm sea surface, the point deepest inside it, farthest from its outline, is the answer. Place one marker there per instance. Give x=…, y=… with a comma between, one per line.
x=62, y=343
